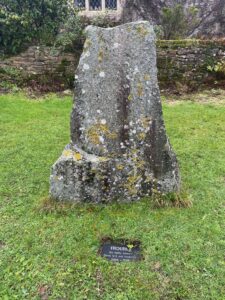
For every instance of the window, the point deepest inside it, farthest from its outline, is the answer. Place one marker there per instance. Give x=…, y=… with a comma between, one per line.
x=80, y=4
x=111, y=4
x=95, y=4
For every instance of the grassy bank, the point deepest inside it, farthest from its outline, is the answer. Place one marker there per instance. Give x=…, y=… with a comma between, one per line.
x=49, y=251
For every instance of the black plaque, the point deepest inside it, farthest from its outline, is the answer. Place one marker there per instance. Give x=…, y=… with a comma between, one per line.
x=122, y=250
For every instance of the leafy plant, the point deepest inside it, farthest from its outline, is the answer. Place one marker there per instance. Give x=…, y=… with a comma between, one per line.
x=103, y=20
x=218, y=68
x=10, y=78
x=159, y=31
x=71, y=34
x=28, y=21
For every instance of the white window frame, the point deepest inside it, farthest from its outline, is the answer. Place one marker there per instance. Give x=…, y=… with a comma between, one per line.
x=103, y=6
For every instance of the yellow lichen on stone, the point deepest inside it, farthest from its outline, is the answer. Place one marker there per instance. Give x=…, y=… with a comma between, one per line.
x=140, y=164
x=145, y=122
x=77, y=156
x=148, y=179
x=131, y=183
x=130, y=97
x=141, y=136
x=100, y=55
x=67, y=153
x=147, y=77
x=140, y=89
x=93, y=136
x=98, y=130
x=129, y=28
x=120, y=167
x=87, y=44
x=102, y=158
x=112, y=135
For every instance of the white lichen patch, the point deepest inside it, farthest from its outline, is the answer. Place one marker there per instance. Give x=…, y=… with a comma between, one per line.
x=103, y=121
x=86, y=67
x=101, y=139
x=102, y=74
x=116, y=45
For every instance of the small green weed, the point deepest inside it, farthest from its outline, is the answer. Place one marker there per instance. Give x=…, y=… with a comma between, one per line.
x=179, y=199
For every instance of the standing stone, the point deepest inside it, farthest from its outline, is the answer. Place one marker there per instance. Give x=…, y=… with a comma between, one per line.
x=119, y=148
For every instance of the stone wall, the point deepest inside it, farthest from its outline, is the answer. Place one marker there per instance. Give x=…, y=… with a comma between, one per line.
x=180, y=63
x=38, y=60
x=186, y=63
x=41, y=68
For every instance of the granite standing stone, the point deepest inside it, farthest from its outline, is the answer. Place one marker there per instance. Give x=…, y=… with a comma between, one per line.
x=119, y=149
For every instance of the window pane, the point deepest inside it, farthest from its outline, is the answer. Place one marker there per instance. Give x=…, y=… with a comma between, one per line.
x=80, y=4
x=111, y=4
x=95, y=4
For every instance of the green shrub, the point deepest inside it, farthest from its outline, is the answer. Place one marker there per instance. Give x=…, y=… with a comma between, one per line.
x=71, y=35
x=218, y=69
x=29, y=21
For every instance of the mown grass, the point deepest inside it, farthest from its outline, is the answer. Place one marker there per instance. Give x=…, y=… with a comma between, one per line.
x=49, y=251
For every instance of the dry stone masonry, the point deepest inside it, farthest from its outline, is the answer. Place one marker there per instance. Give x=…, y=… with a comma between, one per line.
x=38, y=60
x=184, y=61
x=119, y=148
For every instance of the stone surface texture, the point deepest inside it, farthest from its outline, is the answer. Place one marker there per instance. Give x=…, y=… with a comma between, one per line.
x=119, y=149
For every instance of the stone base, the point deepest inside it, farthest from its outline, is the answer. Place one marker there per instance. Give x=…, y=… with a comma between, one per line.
x=81, y=177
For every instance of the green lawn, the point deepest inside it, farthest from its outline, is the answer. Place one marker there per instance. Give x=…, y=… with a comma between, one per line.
x=49, y=251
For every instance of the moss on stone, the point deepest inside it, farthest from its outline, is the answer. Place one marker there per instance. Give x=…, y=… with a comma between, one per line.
x=131, y=183
x=176, y=44
x=142, y=30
